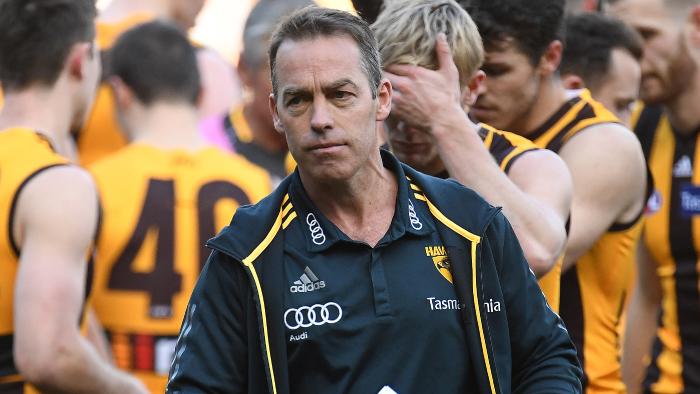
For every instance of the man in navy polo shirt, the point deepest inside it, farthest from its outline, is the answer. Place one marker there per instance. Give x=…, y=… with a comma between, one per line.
x=359, y=274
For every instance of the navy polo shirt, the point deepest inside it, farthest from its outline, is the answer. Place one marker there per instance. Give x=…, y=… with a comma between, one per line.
x=361, y=319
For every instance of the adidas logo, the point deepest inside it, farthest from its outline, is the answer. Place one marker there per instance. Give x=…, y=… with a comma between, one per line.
x=307, y=282
x=683, y=168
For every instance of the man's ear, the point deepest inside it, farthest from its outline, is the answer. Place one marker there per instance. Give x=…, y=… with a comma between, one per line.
x=275, y=116
x=549, y=62
x=78, y=59
x=123, y=95
x=384, y=92
x=572, y=81
x=475, y=87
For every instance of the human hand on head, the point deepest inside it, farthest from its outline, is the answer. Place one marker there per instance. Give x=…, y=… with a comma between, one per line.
x=422, y=96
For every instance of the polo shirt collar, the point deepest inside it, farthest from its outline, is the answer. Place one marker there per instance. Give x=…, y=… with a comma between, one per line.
x=410, y=215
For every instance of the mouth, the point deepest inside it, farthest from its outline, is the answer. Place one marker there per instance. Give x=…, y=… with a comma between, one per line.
x=481, y=111
x=326, y=147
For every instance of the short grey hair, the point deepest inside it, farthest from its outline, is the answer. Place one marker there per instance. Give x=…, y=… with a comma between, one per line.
x=261, y=23
x=312, y=22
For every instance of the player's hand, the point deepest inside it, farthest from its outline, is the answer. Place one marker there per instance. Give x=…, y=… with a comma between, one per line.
x=422, y=96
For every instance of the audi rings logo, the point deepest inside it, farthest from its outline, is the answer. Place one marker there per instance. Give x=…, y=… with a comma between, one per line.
x=413, y=217
x=317, y=235
x=316, y=315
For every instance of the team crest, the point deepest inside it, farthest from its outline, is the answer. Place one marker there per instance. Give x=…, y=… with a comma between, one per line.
x=442, y=264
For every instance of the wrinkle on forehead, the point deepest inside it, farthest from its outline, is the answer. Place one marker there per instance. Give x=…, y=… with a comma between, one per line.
x=318, y=63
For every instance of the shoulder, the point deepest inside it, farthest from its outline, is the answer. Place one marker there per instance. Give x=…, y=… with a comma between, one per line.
x=604, y=140
x=126, y=156
x=450, y=201
x=236, y=160
x=62, y=195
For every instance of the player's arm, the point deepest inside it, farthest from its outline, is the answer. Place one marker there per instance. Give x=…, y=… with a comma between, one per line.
x=56, y=218
x=537, y=196
x=212, y=355
x=641, y=320
x=96, y=336
x=609, y=173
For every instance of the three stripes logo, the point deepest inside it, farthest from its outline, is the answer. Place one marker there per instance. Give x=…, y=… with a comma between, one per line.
x=308, y=282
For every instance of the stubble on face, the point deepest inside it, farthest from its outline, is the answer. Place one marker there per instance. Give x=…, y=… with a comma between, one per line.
x=512, y=86
x=324, y=105
x=666, y=63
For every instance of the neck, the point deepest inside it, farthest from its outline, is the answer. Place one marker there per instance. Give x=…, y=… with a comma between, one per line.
x=363, y=206
x=682, y=110
x=264, y=133
x=551, y=96
x=167, y=126
x=118, y=10
x=46, y=111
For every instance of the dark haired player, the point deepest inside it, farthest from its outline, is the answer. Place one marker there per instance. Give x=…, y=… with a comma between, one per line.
x=603, y=55
x=524, y=94
x=49, y=68
x=102, y=133
x=178, y=187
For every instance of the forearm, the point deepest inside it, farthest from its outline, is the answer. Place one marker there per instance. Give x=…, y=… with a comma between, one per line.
x=539, y=229
x=72, y=365
x=639, y=335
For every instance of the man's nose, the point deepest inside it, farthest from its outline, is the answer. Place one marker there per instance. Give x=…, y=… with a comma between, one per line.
x=321, y=116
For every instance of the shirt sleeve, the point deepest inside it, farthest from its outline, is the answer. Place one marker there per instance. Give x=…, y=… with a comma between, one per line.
x=211, y=351
x=543, y=356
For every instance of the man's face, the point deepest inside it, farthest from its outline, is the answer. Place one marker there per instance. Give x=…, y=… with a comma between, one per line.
x=665, y=65
x=413, y=146
x=510, y=90
x=619, y=88
x=325, y=107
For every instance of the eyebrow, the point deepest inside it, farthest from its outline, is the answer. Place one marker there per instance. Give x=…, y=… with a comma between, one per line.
x=335, y=85
x=340, y=83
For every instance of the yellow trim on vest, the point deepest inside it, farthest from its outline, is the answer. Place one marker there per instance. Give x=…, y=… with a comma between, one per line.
x=286, y=209
x=240, y=125
x=475, y=240
x=10, y=379
x=288, y=220
x=563, y=121
x=510, y=157
x=452, y=225
x=419, y=197
x=477, y=311
x=248, y=262
x=489, y=138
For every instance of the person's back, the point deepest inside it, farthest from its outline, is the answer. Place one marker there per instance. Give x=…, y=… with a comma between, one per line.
x=524, y=94
x=48, y=207
x=103, y=134
x=163, y=196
